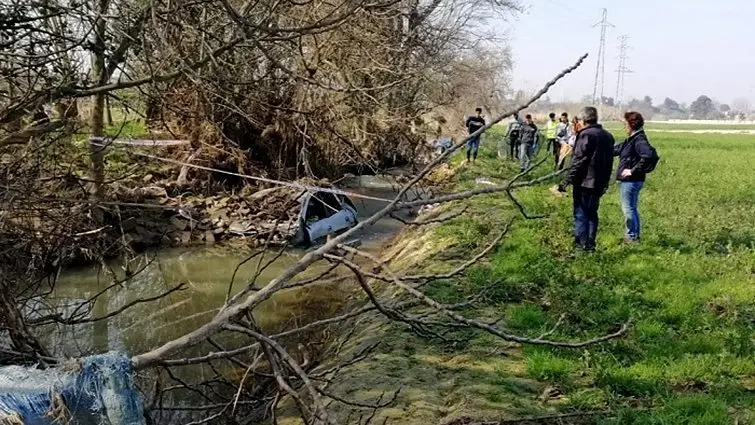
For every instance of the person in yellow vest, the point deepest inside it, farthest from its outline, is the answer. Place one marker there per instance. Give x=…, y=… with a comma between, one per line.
x=550, y=134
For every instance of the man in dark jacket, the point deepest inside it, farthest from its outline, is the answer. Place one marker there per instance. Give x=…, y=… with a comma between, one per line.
x=473, y=124
x=528, y=137
x=512, y=135
x=635, y=156
x=590, y=174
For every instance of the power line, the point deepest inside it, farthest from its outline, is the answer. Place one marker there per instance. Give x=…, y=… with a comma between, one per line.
x=622, y=70
x=600, y=68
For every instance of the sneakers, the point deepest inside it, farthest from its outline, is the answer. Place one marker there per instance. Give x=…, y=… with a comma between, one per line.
x=584, y=248
x=631, y=241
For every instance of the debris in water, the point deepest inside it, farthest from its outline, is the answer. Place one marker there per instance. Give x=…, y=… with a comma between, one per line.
x=96, y=390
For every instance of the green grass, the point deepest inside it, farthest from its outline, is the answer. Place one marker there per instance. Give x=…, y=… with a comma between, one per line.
x=689, y=290
x=706, y=126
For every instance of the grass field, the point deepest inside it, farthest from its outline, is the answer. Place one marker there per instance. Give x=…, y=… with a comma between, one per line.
x=689, y=290
x=706, y=126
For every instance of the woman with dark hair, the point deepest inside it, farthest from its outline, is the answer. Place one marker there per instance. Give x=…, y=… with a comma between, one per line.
x=636, y=159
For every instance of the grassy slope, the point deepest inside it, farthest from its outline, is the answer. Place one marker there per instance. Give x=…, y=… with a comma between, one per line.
x=690, y=357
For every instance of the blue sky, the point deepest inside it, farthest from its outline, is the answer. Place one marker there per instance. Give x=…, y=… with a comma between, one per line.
x=680, y=48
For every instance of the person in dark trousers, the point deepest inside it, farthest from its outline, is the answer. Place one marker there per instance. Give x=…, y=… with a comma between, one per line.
x=634, y=154
x=473, y=124
x=528, y=137
x=550, y=131
x=590, y=174
x=512, y=134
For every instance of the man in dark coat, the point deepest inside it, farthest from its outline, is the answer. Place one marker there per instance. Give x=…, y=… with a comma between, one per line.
x=590, y=174
x=473, y=124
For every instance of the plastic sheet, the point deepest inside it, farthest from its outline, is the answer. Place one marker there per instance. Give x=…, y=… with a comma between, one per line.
x=96, y=390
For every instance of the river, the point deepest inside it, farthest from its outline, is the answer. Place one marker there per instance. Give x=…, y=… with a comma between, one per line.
x=207, y=272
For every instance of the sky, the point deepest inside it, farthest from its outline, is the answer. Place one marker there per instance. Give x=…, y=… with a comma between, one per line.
x=679, y=48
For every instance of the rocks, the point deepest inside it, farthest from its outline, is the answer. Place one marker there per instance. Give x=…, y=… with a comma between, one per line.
x=179, y=223
x=184, y=238
x=239, y=227
x=215, y=218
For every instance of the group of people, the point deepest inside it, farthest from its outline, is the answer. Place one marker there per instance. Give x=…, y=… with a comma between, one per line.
x=523, y=137
x=591, y=170
x=592, y=149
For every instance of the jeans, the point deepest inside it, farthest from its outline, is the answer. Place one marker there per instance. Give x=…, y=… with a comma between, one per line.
x=525, y=152
x=473, y=146
x=586, y=204
x=630, y=195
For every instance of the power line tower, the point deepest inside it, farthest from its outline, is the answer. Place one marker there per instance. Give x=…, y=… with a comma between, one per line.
x=622, y=70
x=600, y=69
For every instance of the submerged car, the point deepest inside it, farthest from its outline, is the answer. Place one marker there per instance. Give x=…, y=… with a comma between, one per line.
x=322, y=214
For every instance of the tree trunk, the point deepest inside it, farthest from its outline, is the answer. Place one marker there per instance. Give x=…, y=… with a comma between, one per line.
x=99, y=75
x=108, y=114
x=12, y=320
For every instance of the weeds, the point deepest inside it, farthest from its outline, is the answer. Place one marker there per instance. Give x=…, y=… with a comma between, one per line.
x=689, y=287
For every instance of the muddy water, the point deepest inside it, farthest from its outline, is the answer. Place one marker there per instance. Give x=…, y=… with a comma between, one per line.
x=208, y=273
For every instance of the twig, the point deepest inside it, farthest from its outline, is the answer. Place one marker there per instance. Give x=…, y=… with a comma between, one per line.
x=467, y=264
x=482, y=326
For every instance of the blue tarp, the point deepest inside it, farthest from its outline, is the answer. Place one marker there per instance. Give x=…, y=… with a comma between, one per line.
x=95, y=390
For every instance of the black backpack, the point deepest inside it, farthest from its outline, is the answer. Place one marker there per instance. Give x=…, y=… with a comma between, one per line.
x=653, y=161
x=514, y=134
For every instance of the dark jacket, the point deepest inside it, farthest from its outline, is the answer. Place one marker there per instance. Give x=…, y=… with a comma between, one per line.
x=474, y=123
x=634, y=154
x=528, y=133
x=592, y=159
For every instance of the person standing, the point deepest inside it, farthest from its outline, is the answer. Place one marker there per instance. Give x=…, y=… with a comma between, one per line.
x=528, y=137
x=550, y=131
x=566, y=149
x=636, y=158
x=562, y=138
x=590, y=174
x=512, y=136
x=473, y=124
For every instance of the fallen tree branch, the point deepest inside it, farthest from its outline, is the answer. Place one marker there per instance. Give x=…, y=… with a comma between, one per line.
x=58, y=319
x=22, y=136
x=481, y=191
x=467, y=264
x=478, y=325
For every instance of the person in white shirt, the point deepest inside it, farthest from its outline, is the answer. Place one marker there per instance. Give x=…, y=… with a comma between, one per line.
x=571, y=138
x=562, y=137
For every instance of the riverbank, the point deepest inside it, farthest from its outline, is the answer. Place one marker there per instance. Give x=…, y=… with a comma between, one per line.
x=688, y=290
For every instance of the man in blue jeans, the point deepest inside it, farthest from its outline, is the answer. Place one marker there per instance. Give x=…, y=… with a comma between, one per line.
x=473, y=124
x=635, y=154
x=590, y=174
x=528, y=138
